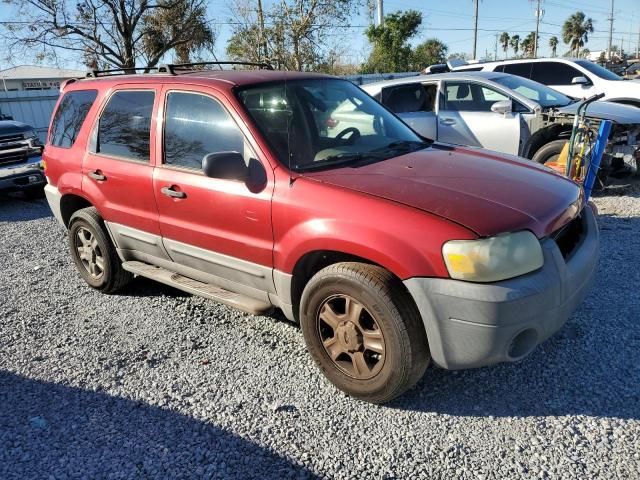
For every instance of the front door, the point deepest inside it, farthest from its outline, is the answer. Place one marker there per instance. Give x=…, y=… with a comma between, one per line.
x=117, y=171
x=415, y=104
x=216, y=226
x=465, y=118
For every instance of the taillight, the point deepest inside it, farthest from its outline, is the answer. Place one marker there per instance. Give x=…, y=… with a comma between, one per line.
x=332, y=122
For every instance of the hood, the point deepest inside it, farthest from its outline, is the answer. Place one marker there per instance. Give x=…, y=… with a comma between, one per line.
x=9, y=127
x=486, y=192
x=622, y=114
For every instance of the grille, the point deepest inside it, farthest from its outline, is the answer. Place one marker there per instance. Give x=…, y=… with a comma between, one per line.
x=18, y=137
x=568, y=237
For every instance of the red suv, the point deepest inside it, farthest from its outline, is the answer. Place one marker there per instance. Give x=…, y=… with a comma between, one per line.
x=389, y=249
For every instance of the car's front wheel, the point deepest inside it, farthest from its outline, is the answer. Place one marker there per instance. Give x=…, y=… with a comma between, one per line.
x=93, y=253
x=364, y=331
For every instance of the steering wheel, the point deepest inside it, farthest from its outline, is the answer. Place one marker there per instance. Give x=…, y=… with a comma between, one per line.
x=355, y=135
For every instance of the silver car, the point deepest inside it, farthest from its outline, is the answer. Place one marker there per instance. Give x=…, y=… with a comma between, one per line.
x=501, y=112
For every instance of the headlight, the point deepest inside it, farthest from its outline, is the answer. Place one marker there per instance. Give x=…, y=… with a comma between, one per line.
x=493, y=259
x=30, y=134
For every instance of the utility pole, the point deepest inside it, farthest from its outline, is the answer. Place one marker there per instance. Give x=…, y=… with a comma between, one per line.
x=495, y=54
x=610, y=33
x=535, y=39
x=638, y=45
x=475, y=28
x=380, y=13
x=262, y=49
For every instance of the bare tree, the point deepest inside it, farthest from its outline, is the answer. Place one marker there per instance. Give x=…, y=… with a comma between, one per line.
x=297, y=34
x=117, y=33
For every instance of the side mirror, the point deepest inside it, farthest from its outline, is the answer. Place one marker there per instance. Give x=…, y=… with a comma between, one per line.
x=503, y=106
x=225, y=165
x=580, y=81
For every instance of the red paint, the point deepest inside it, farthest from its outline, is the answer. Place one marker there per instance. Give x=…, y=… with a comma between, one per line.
x=396, y=213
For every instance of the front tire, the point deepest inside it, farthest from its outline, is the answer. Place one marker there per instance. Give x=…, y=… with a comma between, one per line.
x=549, y=152
x=364, y=331
x=93, y=253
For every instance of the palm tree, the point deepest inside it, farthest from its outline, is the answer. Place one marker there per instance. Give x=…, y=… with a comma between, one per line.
x=576, y=30
x=504, y=42
x=515, y=43
x=527, y=45
x=553, y=43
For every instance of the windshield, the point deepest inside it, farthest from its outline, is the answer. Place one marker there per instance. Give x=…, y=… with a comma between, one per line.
x=314, y=124
x=545, y=96
x=598, y=70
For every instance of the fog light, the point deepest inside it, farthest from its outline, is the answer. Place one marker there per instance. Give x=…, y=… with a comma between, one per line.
x=522, y=344
x=34, y=179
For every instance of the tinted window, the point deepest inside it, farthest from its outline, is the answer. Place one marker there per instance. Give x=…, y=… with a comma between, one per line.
x=521, y=69
x=70, y=116
x=409, y=98
x=598, y=70
x=554, y=73
x=125, y=126
x=196, y=125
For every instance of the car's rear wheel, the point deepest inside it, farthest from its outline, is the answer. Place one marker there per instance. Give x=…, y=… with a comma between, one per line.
x=93, y=253
x=364, y=331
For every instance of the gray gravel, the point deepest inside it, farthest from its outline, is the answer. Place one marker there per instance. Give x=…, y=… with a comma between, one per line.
x=153, y=383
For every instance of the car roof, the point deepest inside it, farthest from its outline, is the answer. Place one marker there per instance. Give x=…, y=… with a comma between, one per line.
x=225, y=79
x=517, y=60
x=455, y=75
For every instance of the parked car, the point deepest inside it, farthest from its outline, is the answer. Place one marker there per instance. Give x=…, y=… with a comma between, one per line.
x=20, y=159
x=389, y=250
x=577, y=78
x=501, y=112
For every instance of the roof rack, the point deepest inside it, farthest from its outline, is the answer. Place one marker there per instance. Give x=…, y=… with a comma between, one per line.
x=173, y=68
x=113, y=71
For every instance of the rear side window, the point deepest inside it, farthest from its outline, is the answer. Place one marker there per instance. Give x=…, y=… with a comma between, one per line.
x=554, y=73
x=70, y=116
x=522, y=69
x=413, y=97
x=197, y=125
x=125, y=126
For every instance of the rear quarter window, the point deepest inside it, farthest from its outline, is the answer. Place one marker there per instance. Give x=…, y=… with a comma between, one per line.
x=70, y=116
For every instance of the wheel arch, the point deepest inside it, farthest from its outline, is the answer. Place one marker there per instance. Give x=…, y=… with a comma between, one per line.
x=71, y=203
x=544, y=136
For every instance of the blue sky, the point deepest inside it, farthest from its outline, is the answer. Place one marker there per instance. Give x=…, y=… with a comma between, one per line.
x=452, y=22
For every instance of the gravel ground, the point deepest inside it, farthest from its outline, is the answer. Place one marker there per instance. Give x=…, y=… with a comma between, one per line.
x=154, y=383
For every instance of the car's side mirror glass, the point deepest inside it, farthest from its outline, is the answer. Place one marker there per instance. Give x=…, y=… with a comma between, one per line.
x=225, y=165
x=503, y=107
x=581, y=80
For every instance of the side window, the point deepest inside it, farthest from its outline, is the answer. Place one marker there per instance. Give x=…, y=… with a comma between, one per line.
x=196, y=125
x=125, y=125
x=70, y=116
x=471, y=97
x=521, y=69
x=408, y=98
x=554, y=73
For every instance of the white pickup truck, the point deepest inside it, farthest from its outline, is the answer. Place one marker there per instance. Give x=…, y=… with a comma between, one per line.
x=20, y=159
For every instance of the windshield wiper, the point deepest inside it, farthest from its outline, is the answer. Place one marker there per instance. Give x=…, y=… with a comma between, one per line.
x=408, y=145
x=338, y=159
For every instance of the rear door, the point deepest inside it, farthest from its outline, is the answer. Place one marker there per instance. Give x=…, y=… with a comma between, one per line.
x=216, y=226
x=415, y=103
x=117, y=170
x=465, y=118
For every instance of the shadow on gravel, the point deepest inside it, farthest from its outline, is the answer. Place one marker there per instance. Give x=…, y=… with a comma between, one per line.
x=144, y=287
x=14, y=208
x=49, y=430
x=590, y=367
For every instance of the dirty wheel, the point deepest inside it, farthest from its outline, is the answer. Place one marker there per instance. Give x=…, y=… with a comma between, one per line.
x=94, y=255
x=364, y=331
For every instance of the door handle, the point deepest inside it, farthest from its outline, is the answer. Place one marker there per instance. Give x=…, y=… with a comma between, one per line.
x=171, y=192
x=447, y=121
x=97, y=175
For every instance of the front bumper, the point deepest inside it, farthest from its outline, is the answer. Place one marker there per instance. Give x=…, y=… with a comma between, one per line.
x=472, y=325
x=23, y=175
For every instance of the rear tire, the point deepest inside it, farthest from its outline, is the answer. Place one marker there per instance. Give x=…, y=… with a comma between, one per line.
x=549, y=152
x=93, y=253
x=364, y=331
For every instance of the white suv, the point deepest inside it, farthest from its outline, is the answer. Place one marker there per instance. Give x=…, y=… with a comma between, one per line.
x=576, y=78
